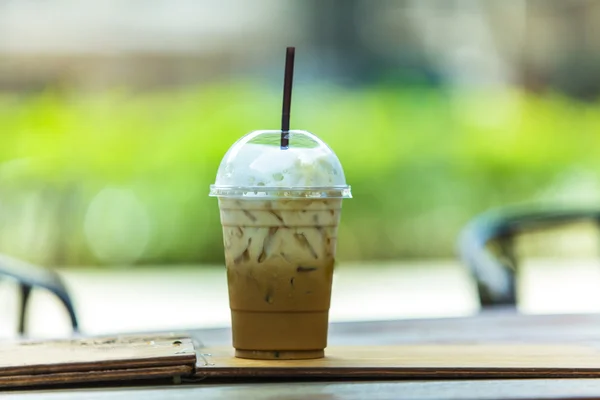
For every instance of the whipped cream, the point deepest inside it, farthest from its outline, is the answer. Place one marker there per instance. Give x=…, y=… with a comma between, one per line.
x=264, y=165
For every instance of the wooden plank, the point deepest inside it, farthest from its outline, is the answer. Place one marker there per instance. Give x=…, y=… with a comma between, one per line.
x=416, y=361
x=513, y=389
x=489, y=327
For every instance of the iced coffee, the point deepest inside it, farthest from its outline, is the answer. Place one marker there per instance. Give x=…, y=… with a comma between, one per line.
x=280, y=210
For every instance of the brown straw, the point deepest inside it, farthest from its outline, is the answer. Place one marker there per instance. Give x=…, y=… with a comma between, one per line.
x=287, y=97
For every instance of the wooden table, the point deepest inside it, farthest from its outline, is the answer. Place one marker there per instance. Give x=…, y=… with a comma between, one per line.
x=491, y=326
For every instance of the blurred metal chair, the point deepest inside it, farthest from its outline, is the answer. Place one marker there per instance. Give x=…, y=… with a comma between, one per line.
x=487, y=246
x=28, y=277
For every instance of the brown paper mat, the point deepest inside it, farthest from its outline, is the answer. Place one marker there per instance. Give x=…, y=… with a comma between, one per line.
x=415, y=361
x=98, y=376
x=149, y=357
x=30, y=363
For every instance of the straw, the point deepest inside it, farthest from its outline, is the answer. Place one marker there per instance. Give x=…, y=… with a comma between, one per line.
x=287, y=97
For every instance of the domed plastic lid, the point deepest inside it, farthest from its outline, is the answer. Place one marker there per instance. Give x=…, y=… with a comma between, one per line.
x=256, y=166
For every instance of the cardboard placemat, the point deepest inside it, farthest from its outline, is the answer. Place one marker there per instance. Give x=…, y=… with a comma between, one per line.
x=107, y=359
x=132, y=358
x=415, y=361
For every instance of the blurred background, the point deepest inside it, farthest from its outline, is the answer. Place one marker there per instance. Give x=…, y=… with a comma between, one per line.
x=114, y=116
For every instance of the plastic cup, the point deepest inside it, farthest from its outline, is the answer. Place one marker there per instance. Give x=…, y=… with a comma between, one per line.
x=280, y=211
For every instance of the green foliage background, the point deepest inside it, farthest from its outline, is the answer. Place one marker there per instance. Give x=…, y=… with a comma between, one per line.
x=421, y=163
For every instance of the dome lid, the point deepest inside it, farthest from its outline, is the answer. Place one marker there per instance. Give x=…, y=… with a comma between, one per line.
x=257, y=166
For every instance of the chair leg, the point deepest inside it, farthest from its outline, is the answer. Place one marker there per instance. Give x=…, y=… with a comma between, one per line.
x=71, y=310
x=24, y=299
x=508, y=253
x=495, y=273
x=491, y=294
x=508, y=259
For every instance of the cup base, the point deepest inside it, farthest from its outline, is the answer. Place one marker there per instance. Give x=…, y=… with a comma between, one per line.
x=280, y=355
x=282, y=332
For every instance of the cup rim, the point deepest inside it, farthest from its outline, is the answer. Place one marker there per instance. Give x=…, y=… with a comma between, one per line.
x=300, y=192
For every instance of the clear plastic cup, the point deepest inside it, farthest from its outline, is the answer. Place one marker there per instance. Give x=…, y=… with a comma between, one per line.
x=280, y=210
